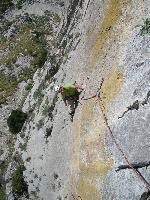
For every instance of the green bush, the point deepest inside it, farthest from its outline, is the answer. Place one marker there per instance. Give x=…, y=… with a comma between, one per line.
x=145, y=27
x=28, y=41
x=26, y=74
x=3, y=166
x=4, y=5
x=40, y=57
x=29, y=87
x=16, y=120
x=56, y=18
x=2, y=193
x=8, y=85
x=19, y=186
x=19, y=3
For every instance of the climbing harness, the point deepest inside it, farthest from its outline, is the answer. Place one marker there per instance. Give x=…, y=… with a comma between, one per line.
x=137, y=173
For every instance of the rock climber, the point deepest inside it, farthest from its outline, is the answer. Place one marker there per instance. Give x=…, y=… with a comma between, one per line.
x=70, y=95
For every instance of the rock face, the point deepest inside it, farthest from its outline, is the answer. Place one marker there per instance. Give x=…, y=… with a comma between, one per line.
x=50, y=42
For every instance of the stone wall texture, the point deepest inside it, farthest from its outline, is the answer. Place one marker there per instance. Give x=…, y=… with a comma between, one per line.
x=77, y=160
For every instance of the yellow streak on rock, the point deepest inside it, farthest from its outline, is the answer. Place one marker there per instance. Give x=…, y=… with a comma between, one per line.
x=95, y=162
x=92, y=147
x=87, y=189
x=111, y=86
x=97, y=168
x=94, y=140
x=112, y=14
x=76, y=145
x=87, y=111
x=95, y=135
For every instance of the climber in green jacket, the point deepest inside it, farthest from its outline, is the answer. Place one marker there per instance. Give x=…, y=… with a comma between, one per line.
x=70, y=95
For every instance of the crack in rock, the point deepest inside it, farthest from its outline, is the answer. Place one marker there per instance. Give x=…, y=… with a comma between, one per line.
x=146, y=99
x=134, y=106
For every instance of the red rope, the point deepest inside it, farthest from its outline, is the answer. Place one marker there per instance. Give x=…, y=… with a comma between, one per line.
x=146, y=184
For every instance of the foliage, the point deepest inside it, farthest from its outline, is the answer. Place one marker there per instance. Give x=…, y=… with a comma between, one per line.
x=19, y=3
x=42, y=23
x=29, y=87
x=2, y=193
x=16, y=120
x=29, y=40
x=40, y=58
x=23, y=146
x=4, y=166
x=53, y=16
x=26, y=74
x=146, y=26
x=7, y=86
x=56, y=18
x=19, y=186
x=4, y=5
x=37, y=94
x=27, y=43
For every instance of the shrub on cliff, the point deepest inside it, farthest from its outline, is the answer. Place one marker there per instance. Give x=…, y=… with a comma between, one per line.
x=4, y=5
x=16, y=120
x=8, y=85
x=2, y=193
x=145, y=27
x=20, y=3
x=19, y=186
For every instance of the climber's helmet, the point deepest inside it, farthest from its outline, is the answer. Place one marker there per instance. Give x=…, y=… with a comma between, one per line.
x=57, y=88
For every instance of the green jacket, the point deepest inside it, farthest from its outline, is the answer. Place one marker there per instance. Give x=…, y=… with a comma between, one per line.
x=69, y=90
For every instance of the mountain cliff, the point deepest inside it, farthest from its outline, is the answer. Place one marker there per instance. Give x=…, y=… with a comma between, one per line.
x=43, y=154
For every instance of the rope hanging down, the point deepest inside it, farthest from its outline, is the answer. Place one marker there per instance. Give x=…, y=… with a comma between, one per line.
x=136, y=172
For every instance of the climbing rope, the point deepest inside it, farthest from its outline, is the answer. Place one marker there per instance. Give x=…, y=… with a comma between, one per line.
x=137, y=173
